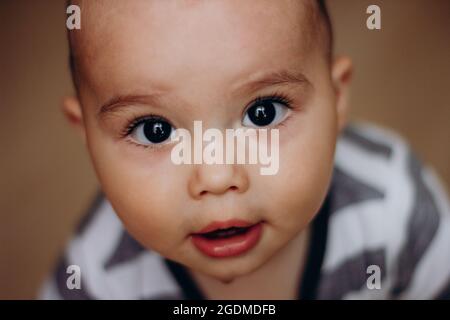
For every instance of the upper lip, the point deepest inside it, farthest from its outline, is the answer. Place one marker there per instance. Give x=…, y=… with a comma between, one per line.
x=215, y=225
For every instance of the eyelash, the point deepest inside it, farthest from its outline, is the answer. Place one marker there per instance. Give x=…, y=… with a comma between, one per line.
x=137, y=121
x=132, y=124
x=275, y=97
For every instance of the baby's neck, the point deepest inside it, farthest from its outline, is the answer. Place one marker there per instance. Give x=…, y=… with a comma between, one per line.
x=278, y=278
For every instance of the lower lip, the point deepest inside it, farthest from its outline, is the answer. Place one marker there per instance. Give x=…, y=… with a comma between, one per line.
x=228, y=247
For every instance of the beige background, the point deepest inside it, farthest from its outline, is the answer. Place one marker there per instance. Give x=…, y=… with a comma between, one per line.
x=402, y=81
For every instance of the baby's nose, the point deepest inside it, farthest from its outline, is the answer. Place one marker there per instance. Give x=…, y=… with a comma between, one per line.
x=217, y=179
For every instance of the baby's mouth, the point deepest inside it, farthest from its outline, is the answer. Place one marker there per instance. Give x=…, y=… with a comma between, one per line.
x=226, y=239
x=224, y=229
x=225, y=233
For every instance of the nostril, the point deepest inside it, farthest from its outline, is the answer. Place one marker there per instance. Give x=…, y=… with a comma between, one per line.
x=232, y=188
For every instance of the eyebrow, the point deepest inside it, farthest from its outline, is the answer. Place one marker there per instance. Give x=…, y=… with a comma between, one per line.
x=274, y=78
x=121, y=101
x=264, y=80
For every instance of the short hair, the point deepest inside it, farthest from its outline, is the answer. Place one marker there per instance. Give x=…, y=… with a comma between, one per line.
x=325, y=33
x=72, y=66
x=326, y=22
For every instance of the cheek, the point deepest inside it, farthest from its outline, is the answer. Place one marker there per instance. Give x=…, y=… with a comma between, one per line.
x=141, y=185
x=306, y=161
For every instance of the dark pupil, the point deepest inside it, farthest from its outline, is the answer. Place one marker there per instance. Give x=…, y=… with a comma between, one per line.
x=262, y=114
x=157, y=131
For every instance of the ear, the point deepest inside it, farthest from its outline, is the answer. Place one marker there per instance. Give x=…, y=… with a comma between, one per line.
x=341, y=75
x=71, y=108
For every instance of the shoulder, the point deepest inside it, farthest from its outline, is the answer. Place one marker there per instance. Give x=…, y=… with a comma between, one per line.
x=113, y=265
x=388, y=210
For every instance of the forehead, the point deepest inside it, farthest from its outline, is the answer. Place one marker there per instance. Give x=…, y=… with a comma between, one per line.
x=135, y=41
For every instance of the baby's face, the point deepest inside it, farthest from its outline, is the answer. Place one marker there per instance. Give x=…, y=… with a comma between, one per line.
x=164, y=64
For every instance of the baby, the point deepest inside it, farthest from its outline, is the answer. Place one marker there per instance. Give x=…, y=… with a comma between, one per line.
x=350, y=212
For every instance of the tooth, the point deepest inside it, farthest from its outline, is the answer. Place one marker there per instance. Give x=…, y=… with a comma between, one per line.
x=228, y=232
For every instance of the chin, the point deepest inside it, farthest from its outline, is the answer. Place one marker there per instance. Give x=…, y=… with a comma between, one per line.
x=225, y=277
x=227, y=271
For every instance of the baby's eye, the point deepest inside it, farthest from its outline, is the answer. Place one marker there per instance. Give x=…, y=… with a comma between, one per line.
x=265, y=112
x=151, y=131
